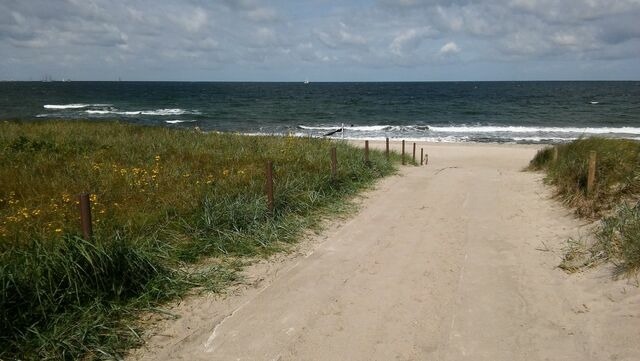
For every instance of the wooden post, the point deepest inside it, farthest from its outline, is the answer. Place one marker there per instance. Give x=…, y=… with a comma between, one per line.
x=334, y=163
x=84, y=200
x=403, y=162
x=269, y=186
x=387, y=149
x=555, y=154
x=366, y=152
x=591, y=177
x=426, y=159
x=421, y=156
x=414, y=152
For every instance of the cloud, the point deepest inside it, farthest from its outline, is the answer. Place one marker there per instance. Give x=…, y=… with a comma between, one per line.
x=408, y=40
x=154, y=37
x=449, y=49
x=340, y=37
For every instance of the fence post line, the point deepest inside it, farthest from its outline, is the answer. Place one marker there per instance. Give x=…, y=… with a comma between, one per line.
x=421, y=156
x=334, y=163
x=84, y=201
x=426, y=159
x=387, y=149
x=414, y=152
x=403, y=162
x=366, y=152
x=269, y=186
x=591, y=176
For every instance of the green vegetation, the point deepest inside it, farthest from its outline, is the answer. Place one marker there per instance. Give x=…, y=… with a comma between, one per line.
x=614, y=197
x=163, y=200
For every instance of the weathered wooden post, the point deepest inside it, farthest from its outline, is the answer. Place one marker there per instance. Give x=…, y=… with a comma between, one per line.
x=591, y=176
x=366, y=152
x=403, y=162
x=269, y=186
x=387, y=149
x=84, y=201
x=555, y=154
x=334, y=163
x=426, y=159
x=421, y=156
x=414, y=152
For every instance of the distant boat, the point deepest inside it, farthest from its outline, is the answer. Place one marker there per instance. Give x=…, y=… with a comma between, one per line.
x=306, y=81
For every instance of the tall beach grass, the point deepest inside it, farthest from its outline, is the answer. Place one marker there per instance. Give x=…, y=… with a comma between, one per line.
x=162, y=199
x=614, y=198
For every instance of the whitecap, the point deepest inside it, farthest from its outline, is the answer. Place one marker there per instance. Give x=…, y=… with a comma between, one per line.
x=177, y=121
x=73, y=106
x=156, y=112
x=365, y=128
x=522, y=129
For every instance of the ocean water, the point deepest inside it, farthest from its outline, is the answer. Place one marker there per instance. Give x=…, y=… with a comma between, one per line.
x=522, y=112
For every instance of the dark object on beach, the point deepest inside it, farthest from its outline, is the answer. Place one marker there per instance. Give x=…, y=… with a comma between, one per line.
x=387, y=148
x=84, y=201
x=366, y=153
x=333, y=132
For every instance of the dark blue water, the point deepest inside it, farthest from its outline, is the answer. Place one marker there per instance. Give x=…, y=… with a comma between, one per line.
x=444, y=111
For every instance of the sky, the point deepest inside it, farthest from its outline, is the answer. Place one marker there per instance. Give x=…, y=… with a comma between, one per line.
x=321, y=40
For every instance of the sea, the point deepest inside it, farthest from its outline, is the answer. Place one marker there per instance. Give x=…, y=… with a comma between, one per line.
x=495, y=112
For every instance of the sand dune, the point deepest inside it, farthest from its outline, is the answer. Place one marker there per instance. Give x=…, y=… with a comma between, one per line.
x=452, y=261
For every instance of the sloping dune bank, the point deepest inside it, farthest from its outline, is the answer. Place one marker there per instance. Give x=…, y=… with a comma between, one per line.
x=455, y=260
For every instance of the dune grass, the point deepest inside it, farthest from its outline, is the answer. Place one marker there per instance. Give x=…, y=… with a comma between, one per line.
x=162, y=200
x=614, y=198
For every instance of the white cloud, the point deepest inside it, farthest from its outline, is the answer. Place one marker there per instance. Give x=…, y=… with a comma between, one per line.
x=408, y=40
x=565, y=39
x=449, y=48
x=194, y=20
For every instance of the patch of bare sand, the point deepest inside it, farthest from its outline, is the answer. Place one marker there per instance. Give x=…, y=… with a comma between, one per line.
x=453, y=261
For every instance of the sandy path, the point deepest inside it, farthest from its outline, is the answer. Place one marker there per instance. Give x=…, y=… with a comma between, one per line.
x=453, y=261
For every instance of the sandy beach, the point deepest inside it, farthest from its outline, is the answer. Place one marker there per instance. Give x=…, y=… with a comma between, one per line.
x=455, y=260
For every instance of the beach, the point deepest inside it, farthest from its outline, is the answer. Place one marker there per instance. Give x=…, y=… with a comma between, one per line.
x=454, y=260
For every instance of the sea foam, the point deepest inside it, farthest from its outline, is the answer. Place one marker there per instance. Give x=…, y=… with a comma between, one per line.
x=73, y=106
x=519, y=129
x=364, y=128
x=177, y=121
x=156, y=112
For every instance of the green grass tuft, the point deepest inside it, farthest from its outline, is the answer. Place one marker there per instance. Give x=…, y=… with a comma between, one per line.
x=617, y=173
x=619, y=239
x=614, y=198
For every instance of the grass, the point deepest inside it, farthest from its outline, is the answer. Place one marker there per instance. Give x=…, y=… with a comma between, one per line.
x=617, y=173
x=162, y=200
x=614, y=198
